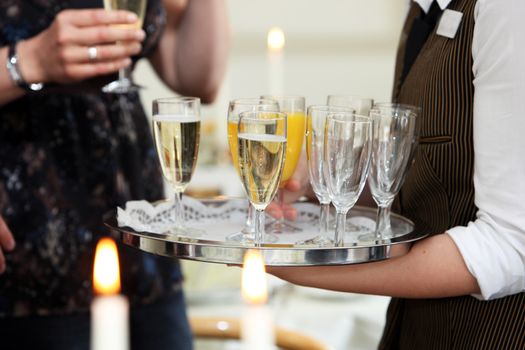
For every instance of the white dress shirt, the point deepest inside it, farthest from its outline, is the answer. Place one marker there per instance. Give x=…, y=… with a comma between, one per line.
x=493, y=246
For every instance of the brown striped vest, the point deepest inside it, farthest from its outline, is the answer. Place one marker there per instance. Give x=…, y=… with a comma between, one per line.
x=439, y=193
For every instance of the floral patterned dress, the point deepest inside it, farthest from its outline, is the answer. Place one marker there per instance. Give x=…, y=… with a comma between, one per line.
x=68, y=156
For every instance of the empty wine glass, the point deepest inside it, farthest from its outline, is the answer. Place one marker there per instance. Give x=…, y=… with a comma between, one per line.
x=262, y=150
x=393, y=144
x=235, y=107
x=347, y=159
x=124, y=83
x=315, y=133
x=361, y=105
x=294, y=107
x=176, y=129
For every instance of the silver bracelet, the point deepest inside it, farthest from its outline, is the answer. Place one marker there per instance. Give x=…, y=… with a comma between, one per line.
x=14, y=72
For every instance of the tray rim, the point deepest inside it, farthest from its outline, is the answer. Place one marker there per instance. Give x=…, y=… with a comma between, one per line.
x=274, y=255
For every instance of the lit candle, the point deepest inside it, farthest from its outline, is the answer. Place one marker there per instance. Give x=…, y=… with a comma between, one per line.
x=109, y=310
x=275, y=43
x=257, y=328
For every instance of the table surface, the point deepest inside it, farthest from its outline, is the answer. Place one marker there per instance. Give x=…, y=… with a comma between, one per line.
x=340, y=320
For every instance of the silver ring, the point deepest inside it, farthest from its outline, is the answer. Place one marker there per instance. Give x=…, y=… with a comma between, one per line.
x=92, y=53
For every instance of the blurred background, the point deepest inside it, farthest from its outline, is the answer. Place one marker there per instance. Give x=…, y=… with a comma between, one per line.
x=331, y=47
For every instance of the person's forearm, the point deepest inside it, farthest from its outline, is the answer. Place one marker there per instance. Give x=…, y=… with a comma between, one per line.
x=8, y=90
x=193, y=52
x=433, y=268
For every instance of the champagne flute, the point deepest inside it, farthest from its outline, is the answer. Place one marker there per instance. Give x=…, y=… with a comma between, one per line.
x=361, y=105
x=235, y=107
x=315, y=132
x=393, y=144
x=262, y=150
x=124, y=83
x=347, y=159
x=176, y=129
x=294, y=107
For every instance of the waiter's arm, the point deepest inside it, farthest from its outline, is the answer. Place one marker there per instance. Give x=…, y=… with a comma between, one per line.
x=433, y=268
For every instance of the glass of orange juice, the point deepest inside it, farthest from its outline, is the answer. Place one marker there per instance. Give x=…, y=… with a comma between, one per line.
x=294, y=107
x=235, y=108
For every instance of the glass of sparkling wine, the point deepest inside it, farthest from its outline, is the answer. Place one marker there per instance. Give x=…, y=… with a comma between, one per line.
x=347, y=155
x=235, y=107
x=124, y=83
x=262, y=150
x=294, y=107
x=176, y=129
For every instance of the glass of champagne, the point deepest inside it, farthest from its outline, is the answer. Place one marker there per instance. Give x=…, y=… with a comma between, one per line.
x=124, y=83
x=262, y=150
x=347, y=160
x=176, y=129
x=393, y=143
x=315, y=133
x=361, y=105
x=235, y=107
x=294, y=107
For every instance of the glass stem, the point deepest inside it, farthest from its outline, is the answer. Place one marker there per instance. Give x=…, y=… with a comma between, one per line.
x=382, y=221
x=339, y=229
x=124, y=73
x=179, y=211
x=324, y=219
x=259, y=228
x=280, y=201
x=250, y=219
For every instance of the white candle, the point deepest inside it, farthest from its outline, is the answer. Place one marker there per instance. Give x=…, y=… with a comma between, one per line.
x=275, y=55
x=257, y=328
x=109, y=310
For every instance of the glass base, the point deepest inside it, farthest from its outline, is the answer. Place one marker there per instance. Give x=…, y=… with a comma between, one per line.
x=317, y=241
x=282, y=226
x=186, y=232
x=121, y=86
x=248, y=238
x=375, y=237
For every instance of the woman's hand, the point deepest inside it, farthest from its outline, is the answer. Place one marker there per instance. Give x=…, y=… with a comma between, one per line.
x=7, y=243
x=64, y=52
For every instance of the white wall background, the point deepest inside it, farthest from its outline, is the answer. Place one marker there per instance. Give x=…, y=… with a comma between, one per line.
x=332, y=46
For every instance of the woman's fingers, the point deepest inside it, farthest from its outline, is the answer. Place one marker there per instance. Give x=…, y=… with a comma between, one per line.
x=101, y=35
x=101, y=53
x=7, y=243
x=87, y=70
x=81, y=44
x=93, y=17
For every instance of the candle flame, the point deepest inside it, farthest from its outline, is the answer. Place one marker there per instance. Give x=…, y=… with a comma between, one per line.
x=275, y=39
x=106, y=272
x=254, y=288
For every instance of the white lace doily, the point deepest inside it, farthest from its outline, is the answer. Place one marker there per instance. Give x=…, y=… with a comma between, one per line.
x=217, y=219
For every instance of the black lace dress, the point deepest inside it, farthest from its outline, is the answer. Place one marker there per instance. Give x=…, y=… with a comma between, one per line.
x=69, y=155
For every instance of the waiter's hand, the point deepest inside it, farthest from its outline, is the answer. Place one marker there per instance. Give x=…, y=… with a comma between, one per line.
x=7, y=243
x=298, y=186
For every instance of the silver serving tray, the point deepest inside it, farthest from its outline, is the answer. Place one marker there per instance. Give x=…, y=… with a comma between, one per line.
x=215, y=249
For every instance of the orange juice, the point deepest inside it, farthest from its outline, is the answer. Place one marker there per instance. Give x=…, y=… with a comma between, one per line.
x=296, y=131
x=234, y=145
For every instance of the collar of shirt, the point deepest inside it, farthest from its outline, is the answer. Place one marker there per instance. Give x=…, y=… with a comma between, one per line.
x=425, y=4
